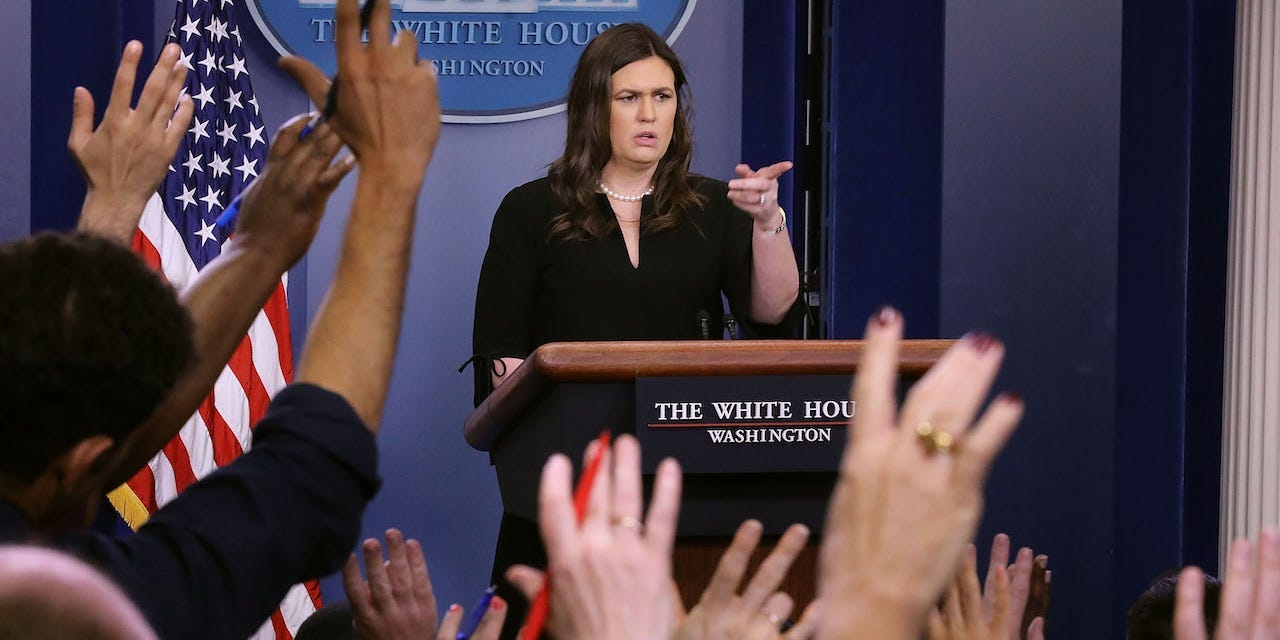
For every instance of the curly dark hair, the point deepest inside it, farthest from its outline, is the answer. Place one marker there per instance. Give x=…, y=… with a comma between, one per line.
x=1151, y=616
x=91, y=340
x=587, y=145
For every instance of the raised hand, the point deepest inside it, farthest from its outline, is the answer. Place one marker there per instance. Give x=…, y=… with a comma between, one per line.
x=610, y=577
x=756, y=192
x=1250, y=605
x=281, y=211
x=1028, y=580
x=125, y=159
x=396, y=602
x=723, y=613
x=910, y=489
x=964, y=614
x=388, y=109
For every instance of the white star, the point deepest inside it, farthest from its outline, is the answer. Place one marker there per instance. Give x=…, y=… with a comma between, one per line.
x=219, y=165
x=227, y=133
x=193, y=163
x=205, y=97
x=190, y=29
x=247, y=168
x=254, y=101
x=171, y=34
x=255, y=136
x=199, y=129
x=237, y=65
x=217, y=30
x=211, y=198
x=187, y=197
x=186, y=60
x=236, y=32
x=210, y=63
x=233, y=102
x=205, y=233
x=227, y=2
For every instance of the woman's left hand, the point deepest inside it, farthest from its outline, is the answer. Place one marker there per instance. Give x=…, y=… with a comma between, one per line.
x=756, y=192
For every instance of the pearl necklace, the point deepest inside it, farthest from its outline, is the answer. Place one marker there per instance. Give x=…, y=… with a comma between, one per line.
x=621, y=198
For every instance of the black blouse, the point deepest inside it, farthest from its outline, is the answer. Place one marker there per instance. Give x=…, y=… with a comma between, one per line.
x=534, y=290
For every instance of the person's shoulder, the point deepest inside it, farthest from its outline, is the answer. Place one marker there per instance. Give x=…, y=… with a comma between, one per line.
x=541, y=187
x=534, y=196
x=530, y=204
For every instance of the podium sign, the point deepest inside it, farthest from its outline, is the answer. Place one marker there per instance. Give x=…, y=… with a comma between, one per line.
x=744, y=424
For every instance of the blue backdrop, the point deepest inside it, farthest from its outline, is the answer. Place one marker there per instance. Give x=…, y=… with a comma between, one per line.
x=1054, y=172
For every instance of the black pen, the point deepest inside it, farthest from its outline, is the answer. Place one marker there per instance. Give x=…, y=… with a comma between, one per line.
x=331, y=100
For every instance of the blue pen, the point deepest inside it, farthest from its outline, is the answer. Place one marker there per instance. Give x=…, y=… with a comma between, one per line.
x=482, y=605
x=227, y=221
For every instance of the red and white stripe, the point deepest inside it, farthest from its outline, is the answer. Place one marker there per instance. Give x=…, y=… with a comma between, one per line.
x=222, y=427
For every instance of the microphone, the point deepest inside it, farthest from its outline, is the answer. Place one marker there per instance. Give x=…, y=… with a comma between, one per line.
x=704, y=325
x=731, y=326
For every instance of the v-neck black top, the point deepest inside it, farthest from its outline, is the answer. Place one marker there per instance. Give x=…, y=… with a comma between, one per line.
x=534, y=290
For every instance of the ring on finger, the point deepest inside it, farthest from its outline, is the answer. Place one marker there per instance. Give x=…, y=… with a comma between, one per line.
x=629, y=522
x=762, y=198
x=934, y=440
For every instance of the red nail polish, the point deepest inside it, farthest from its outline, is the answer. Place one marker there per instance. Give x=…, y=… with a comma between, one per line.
x=455, y=607
x=1012, y=396
x=497, y=604
x=981, y=340
x=885, y=315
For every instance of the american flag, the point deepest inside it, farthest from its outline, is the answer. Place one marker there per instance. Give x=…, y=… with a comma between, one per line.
x=223, y=151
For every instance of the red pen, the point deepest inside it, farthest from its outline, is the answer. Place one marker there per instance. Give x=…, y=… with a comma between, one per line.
x=537, y=617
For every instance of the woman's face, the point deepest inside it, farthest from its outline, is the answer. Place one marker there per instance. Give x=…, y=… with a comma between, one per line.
x=642, y=113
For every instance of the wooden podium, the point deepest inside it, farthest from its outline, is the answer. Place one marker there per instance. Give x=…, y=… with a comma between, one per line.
x=566, y=393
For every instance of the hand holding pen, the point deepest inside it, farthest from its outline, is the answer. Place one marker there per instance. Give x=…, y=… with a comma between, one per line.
x=331, y=99
x=484, y=622
x=383, y=102
x=231, y=214
x=610, y=576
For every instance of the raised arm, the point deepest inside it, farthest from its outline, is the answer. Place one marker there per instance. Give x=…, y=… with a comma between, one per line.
x=124, y=161
x=388, y=113
x=279, y=216
x=126, y=157
x=775, y=279
x=909, y=493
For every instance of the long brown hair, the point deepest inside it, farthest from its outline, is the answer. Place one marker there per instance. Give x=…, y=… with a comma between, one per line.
x=588, y=147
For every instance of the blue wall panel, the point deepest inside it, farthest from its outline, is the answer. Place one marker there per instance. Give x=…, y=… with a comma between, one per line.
x=1213, y=54
x=885, y=163
x=1175, y=161
x=15, y=126
x=98, y=31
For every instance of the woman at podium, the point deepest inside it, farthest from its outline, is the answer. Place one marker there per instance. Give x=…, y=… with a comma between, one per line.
x=619, y=241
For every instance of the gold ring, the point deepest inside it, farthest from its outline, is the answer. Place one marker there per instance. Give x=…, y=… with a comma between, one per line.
x=629, y=522
x=934, y=440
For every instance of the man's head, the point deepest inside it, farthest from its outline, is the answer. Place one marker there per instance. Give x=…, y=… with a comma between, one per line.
x=45, y=595
x=91, y=340
x=1151, y=616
